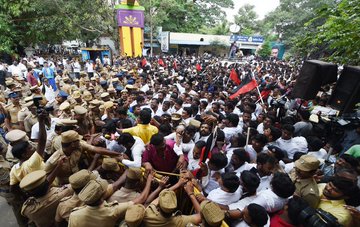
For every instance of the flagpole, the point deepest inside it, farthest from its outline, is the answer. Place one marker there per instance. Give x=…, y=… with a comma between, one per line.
x=258, y=90
x=247, y=135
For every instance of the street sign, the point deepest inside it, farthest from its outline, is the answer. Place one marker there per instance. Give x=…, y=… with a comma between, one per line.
x=247, y=39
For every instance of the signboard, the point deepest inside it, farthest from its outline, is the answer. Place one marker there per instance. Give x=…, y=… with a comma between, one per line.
x=164, y=41
x=247, y=39
x=130, y=18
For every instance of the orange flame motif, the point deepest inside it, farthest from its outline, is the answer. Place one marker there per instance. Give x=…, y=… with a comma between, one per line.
x=131, y=20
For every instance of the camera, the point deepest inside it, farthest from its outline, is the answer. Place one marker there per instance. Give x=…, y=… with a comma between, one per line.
x=40, y=108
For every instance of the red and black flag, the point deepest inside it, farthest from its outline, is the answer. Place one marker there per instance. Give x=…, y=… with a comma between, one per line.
x=234, y=77
x=247, y=85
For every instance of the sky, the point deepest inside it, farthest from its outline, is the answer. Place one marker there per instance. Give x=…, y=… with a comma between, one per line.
x=262, y=7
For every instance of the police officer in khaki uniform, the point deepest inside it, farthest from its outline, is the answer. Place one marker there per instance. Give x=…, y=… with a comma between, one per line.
x=65, y=110
x=129, y=191
x=302, y=176
x=11, y=120
x=86, y=126
x=77, y=181
x=134, y=216
x=164, y=214
x=24, y=112
x=31, y=118
x=41, y=206
x=62, y=125
x=73, y=149
x=98, y=213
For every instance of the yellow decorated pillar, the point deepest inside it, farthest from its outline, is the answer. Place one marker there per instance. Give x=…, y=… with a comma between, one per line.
x=130, y=18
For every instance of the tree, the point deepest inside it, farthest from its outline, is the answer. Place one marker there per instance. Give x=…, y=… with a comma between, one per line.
x=337, y=38
x=184, y=15
x=246, y=19
x=289, y=19
x=265, y=50
x=52, y=21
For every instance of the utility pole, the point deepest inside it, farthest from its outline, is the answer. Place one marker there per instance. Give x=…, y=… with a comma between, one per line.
x=151, y=30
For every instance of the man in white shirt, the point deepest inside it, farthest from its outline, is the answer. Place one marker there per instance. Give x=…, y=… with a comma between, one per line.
x=240, y=161
x=15, y=69
x=229, y=190
x=287, y=143
x=50, y=124
x=264, y=169
x=231, y=128
x=134, y=150
x=89, y=68
x=274, y=199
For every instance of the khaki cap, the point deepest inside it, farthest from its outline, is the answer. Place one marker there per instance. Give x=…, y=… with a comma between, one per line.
x=134, y=215
x=95, y=102
x=167, y=201
x=195, y=123
x=129, y=86
x=124, y=91
x=64, y=106
x=93, y=78
x=93, y=191
x=134, y=173
x=80, y=179
x=108, y=105
x=87, y=96
x=28, y=99
x=70, y=136
x=110, y=164
x=80, y=110
x=307, y=163
x=176, y=117
x=76, y=94
x=66, y=122
x=33, y=180
x=105, y=94
x=9, y=82
x=15, y=135
x=212, y=213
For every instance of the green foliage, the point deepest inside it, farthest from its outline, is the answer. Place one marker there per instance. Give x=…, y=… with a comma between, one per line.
x=184, y=15
x=337, y=39
x=246, y=18
x=265, y=50
x=25, y=22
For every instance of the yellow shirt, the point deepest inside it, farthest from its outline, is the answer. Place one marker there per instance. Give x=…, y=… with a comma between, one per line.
x=19, y=171
x=145, y=132
x=334, y=207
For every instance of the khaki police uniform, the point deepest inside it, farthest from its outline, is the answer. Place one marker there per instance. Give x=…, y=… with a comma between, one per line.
x=42, y=210
x=13, y=112
x=105, y=215
x=134, y=216
x=307, y=188
x=168, y=204
x=70, y=166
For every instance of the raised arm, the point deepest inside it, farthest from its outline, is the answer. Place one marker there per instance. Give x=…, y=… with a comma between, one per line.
x=42, y=133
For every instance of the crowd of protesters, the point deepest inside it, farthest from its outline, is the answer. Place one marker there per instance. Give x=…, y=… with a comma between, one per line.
x=170, y=141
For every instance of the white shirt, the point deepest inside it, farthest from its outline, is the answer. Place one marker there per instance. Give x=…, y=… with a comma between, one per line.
x=264, y=183
x=260, y=128
x=290, y=146
x=241, y=204
x=41, y=60
x=245, y=166
x=15, y=70
x=230, y=131
x=222, y=197
x=209, y=182
x=89, y=67
x=270, y=201
x=252, y=153
x=136, y=150
x=202, y=138
x=50, y=132
x=76, y=67
x=321, y=154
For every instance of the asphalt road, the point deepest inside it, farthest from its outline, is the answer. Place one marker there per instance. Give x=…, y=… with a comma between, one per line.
x=6, y=214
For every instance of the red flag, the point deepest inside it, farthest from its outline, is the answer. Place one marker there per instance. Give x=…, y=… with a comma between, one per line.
x=198, y=67
x=234, y=77
x=143, y=62
x=245, y=88
x=161, y=62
